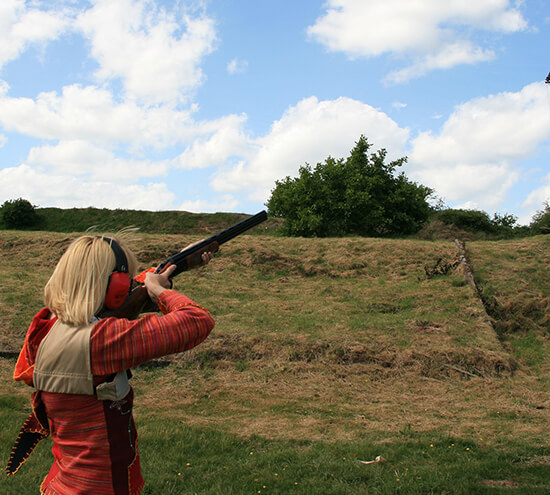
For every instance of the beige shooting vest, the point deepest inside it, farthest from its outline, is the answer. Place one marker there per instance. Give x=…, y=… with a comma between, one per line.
x=63, y=365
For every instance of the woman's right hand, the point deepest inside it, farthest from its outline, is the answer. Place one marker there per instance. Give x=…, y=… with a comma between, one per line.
x=156, y=283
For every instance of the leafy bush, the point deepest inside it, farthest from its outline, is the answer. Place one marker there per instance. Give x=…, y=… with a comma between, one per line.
x=500, y=226
x=540, y=223
x=360, y=195
x=19, y=214
x=476, y=221
x=505, y=221
x=473, y=220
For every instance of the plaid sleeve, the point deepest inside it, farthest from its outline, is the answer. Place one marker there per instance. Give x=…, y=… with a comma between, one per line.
x=120, y=344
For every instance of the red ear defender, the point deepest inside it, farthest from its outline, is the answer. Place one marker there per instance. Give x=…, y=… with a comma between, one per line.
x=119, y=281
x=117, y=290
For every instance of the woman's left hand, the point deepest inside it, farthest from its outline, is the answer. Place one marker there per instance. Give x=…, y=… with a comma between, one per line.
x=206, y=257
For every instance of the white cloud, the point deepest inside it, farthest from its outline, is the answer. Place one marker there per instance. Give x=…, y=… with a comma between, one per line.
x=154, y=52
x=507, y=125
x=237, y=66
x=536, y=199
x=21, y=25
x=461, y=52
x=435, y=33
x=228, y=140
x=481, y=185
x=309, y=132
x=475, y=156
x=80, y=158
x=92, y=114
x=398, y=105
x=65, y=191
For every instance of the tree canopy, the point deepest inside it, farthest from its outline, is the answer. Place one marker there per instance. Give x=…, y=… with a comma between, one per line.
x=361, y=195
x=540, y=223
x=18, y=214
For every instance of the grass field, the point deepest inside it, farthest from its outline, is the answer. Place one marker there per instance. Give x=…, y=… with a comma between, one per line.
x=327, y=352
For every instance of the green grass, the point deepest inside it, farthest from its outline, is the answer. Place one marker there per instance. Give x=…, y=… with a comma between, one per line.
x=325, y=352
x=158, y=222
x=529, y=348
x=180, y=459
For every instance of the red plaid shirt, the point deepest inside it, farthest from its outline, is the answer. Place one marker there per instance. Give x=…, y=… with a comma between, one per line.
x=95, y=442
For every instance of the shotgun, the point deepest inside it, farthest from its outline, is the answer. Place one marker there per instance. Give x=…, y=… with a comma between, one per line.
x=138, y=300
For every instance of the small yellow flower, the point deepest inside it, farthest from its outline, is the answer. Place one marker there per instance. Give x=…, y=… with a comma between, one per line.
x=179, y=474
x=467, y=448
x=188, y=464
x=431, y=445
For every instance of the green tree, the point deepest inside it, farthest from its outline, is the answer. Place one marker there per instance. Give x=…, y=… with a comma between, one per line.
x=19, y=214
x=540, y=223
x=506, y=221
x=471, y=220
x=478, y=221
x=360, y=195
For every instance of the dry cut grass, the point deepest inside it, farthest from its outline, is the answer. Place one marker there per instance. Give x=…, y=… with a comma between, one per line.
x=329, y=339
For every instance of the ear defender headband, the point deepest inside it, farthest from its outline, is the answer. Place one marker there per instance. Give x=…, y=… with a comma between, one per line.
x=119, y=281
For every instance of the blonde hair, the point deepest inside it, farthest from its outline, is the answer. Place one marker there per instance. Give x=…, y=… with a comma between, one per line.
x=76, y=290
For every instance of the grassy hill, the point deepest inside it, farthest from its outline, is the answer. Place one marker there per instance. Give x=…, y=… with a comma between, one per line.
x=327, y=352
x=152, y=222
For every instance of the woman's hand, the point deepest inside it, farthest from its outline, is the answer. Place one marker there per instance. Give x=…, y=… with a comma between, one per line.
x=206, y=257
x=156, y=283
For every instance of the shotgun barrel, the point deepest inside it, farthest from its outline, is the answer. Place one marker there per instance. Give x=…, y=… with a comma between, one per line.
x=191, y=256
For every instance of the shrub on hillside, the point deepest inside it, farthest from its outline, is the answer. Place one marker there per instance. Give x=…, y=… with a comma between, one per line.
x=19, y=214
x=361, y=195
x=472, y=220
x=478, y=222
x=540, y=223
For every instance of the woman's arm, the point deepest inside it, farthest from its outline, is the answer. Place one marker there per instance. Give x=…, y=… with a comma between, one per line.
x=120, y=344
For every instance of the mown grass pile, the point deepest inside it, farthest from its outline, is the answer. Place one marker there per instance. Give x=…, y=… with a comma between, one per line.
x=325, y=352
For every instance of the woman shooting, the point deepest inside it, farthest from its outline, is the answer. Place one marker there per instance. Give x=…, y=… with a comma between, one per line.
x=79, y=365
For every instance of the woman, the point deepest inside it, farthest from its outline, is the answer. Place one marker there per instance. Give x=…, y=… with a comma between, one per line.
x=79, y=365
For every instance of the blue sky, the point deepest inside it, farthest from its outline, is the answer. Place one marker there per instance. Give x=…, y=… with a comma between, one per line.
x=203, y=105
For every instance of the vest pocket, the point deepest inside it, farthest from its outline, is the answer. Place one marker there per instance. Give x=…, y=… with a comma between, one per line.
x=115, y=389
